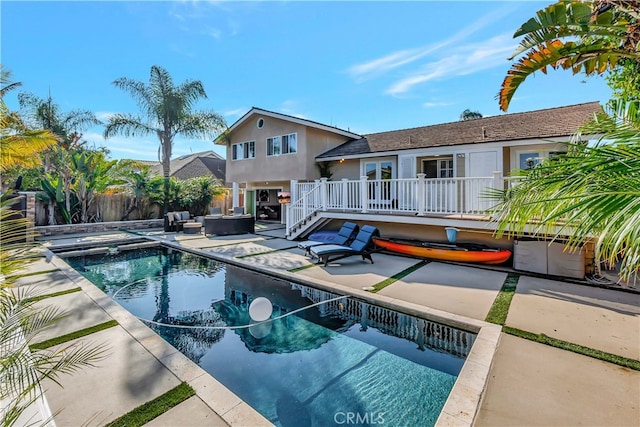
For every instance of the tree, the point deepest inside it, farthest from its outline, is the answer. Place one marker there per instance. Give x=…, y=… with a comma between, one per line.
x=138, y=182
x=92, y=176
x=592, y=192
x=167, y=111
x=583, y=36
x=196, y=194
x=19, y=144
x=67, y=126
x=470, y=115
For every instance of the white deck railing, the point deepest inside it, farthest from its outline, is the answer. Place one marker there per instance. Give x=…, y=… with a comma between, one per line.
x=420, y=196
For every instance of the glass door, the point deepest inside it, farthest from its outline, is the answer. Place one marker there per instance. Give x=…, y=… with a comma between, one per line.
x=381, y=191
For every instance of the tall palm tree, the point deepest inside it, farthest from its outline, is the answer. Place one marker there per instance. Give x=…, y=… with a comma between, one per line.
x=167, y=111
x=590, y=36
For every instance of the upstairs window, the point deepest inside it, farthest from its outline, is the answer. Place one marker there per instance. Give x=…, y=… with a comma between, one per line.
x=243, y=150
x=285, y=144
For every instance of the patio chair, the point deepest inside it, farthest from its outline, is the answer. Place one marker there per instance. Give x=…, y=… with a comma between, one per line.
x=361, y=245
x=344, y=236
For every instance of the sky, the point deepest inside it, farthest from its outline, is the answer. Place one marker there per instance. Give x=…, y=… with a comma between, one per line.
x=363, y=66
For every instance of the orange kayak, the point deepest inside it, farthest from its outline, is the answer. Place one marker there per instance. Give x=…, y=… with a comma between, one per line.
x=461, y=252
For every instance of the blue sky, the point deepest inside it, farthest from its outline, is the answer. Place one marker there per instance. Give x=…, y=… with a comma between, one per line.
x=363, y=66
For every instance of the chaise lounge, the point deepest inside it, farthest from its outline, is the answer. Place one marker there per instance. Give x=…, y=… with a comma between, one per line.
x=344, y=236
x=361, y=245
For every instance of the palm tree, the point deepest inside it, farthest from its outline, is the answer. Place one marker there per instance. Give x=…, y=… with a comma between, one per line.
x=583, y=36
x=67, y=126
x=167, y=112
x=592, y=192
x=19, y=145
x=470, y=115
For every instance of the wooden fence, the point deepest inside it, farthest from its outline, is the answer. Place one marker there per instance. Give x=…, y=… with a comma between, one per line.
x=112, y=207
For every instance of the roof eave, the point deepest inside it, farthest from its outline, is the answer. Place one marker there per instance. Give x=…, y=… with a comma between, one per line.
x=305, y=122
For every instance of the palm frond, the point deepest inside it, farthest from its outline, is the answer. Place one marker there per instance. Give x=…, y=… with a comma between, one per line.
x=591, y=193
x=594, y=58
x=127, y=125
x=201, y=125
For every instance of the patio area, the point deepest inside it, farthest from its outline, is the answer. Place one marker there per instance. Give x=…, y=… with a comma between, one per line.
x=528, y=383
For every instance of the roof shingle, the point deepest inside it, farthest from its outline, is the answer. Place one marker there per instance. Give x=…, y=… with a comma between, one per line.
x=539, y=124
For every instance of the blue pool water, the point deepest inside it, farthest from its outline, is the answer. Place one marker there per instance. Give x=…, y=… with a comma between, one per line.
x=337, y=358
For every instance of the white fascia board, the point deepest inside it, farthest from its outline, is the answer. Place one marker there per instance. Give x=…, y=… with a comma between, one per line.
x=296, y=120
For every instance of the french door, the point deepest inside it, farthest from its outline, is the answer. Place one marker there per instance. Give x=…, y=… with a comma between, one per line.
x=380, y=173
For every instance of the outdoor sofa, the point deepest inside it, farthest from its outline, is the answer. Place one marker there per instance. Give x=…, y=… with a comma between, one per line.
x=223, y=225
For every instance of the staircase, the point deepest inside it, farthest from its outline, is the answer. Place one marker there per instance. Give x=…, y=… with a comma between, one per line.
x=303, y=215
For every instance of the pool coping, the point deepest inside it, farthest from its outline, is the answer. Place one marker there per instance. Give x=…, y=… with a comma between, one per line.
x=459, y=409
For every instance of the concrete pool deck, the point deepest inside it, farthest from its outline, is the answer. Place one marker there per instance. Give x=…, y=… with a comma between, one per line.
x=528, y=383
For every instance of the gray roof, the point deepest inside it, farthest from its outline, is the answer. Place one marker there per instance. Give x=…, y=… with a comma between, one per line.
x=196, y=164
x=539, y=124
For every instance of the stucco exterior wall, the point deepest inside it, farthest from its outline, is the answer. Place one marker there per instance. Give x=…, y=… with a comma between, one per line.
x=300, y=166
x=349, y=169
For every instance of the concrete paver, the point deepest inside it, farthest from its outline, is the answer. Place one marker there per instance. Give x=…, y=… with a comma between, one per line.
x=466, y=291
x=281, y=260
x=356, y=273
x=129, y=377
x=46, y=283
x=190, y=413
x=251, y=248
x=603, y=319
x=532, y=384
x=80, y=313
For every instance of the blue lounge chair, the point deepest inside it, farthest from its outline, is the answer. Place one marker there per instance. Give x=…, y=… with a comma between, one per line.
x=361, y=245
x=344, y=236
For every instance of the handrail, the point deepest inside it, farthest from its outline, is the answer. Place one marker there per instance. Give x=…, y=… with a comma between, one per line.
x=420, y=196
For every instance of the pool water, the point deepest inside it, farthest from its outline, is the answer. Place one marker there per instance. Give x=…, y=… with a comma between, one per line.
x=335, y=361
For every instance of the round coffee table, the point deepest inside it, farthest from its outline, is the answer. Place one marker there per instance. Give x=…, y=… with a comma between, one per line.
x=191, y=227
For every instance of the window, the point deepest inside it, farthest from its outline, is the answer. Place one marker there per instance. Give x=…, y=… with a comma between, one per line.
x=243, y=150
x=285, y=144
x=438, y=168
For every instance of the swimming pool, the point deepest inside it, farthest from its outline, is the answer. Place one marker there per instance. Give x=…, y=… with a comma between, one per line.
x=335, y=358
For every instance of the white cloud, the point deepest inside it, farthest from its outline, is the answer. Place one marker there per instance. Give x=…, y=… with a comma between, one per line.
x=237, y=112
x=104, y=116
x=290, y=107
x=382, y=65
x=437, y=104
x=463, y=60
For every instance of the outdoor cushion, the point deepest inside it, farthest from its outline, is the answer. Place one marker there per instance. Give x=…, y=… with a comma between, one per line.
x=215, y=211
x=344, y=236
x=360, y=246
